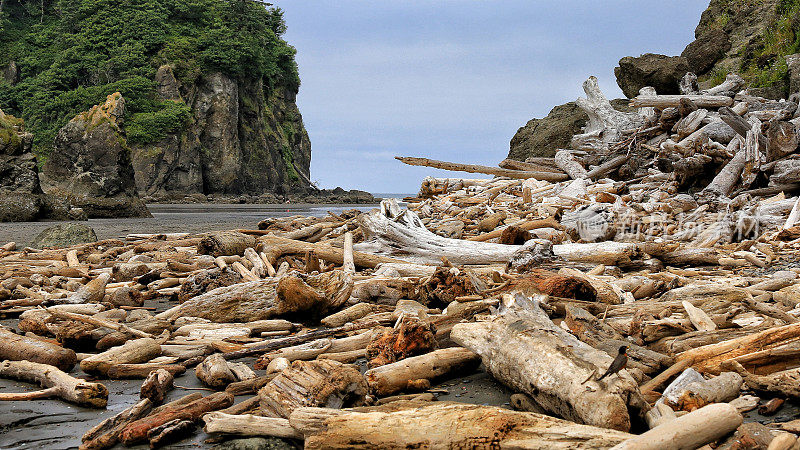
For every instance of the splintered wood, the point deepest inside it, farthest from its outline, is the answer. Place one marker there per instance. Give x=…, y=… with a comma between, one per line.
x=647, y=275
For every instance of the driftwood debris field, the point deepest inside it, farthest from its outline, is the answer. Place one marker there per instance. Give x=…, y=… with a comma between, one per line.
x=638, y=291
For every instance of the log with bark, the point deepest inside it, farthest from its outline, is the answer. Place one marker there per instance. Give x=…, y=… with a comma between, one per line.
x=21, y=348
x=265, y=299
x=554, y=378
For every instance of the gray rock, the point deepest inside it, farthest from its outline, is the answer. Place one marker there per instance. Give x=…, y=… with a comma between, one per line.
x=774, y=92
x=659, y=71
x=90, y=164
x=64, y=235
x=10, y=73
x=256, y=443
x=167, y=86
x=703, y=52
x=20, y=207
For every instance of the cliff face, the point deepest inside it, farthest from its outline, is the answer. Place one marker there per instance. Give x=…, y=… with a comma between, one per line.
x=241, y=138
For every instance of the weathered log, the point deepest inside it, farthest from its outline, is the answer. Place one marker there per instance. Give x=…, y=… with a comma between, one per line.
x=141, y=371
x=136, y=432
x=223, y=243
x=785, y=383
x=274, y=247
x=156, y=386
x=445, y=425
x=313, y=383
x=214, y=372
x=474, y=168
x=265, y=299
x=390, y=232
x=106, y=434
x=249, y=425
x=136, y=351
x=55, y=382
x=170, y=432
x=566, y=162
x=98, y=322
x=555, y=378
x=391, y=378
x=666, y=101
x=91, y=292
x=692, y=430
x=20, y=348
x=709, y=357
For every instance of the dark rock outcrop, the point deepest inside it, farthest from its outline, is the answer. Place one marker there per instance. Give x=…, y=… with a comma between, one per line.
x=659, y=71
x=21, y=196
x=243, y=138
x=543, y=137
x=90, y=164
x=64, y=235
x=702, y=53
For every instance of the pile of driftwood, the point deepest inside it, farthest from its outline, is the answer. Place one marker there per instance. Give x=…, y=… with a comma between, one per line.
x=627, y=303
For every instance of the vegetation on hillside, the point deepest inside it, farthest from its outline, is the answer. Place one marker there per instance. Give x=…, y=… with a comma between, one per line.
x=72, y=53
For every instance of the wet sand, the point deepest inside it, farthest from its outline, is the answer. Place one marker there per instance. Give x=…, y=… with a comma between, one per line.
x=180, y=218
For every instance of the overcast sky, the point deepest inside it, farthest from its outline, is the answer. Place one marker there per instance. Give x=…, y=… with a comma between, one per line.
x=454, y=79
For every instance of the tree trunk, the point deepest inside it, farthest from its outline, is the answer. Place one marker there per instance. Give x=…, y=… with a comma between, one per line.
x=136, y=351
x=265, y=299
x=555, y=377
x=441, y=425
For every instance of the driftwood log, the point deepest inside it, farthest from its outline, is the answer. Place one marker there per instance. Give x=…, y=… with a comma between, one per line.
x=555, y=378
x=391, y=378
x=265, y=299
x=20, y=348
x=249, y=425
x=55, y=382
x=135, y=351
x=445, y=425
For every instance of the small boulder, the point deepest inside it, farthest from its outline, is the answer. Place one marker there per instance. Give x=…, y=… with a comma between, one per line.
x=703, y=52
x=64, y=235
x=659, y=71
x=542, y=137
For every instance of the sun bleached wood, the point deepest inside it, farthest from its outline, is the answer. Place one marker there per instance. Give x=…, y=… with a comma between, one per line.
x=394, y=377
x=55, y=382
x=249, y=425
x=474, y=168
x=666, y=101
x=135, y=351
x=445, y=425
x=567, y=162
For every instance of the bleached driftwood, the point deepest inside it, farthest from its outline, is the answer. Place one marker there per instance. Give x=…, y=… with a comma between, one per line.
x=474, y=168
x=445, y=425
x=606, y=124
x=554, y=378
x=566, y=162
x=249, y=425
x=391, y=378
x=55, y=383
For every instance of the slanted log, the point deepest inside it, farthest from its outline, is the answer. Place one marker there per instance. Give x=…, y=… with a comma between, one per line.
x=391, y=378
x=692, y=430
x=445, y=425
x=606, y=124
x=709, y=358
x=322, y=382
x=265, y=299
x=785, y=383
x=20, y=348
x=106, y=434
x=567, y=162
x=474, y=168
x=55, y=382
x=135, y=351
x=137, y=431
x=554, y=379
x=170, y=432
x=91, y=292
x=249, y=425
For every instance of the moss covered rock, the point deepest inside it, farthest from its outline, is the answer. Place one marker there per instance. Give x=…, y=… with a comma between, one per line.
x=64, y=235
